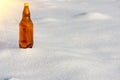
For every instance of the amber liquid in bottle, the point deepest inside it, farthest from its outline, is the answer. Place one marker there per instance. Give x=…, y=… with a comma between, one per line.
x=26, y=29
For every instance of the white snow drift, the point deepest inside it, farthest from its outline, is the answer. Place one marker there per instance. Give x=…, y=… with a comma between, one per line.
x=72, y=41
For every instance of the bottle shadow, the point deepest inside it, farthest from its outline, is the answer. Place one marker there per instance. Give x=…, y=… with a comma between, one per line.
x=6, y=46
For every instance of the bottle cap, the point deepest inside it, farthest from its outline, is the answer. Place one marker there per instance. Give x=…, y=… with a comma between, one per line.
x=26, y=4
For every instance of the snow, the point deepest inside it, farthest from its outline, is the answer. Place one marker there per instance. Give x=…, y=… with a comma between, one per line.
x=73, y=40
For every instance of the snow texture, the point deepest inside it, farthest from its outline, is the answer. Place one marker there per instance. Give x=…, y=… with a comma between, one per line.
x=73, y=40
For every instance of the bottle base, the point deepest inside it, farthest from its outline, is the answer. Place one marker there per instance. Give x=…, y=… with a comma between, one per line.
x=26, y=46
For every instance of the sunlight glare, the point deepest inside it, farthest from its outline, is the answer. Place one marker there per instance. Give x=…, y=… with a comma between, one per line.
x=6, y=9
x=3, y=3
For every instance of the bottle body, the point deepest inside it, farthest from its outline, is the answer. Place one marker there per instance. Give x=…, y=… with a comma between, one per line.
x=26, y=30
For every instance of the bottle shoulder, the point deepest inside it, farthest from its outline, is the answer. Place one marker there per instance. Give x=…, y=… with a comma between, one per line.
x=26, y=20
x=26, y=23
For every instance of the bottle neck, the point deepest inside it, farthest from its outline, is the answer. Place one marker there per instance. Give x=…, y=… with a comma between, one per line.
x=26, y=12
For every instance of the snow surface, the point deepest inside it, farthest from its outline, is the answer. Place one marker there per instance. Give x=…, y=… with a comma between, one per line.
x=73, y=40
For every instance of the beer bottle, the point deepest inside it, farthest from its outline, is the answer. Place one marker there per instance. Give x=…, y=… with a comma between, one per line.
x=26, y=29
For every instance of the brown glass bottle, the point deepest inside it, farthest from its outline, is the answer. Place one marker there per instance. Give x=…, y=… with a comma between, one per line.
x=26, y=29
